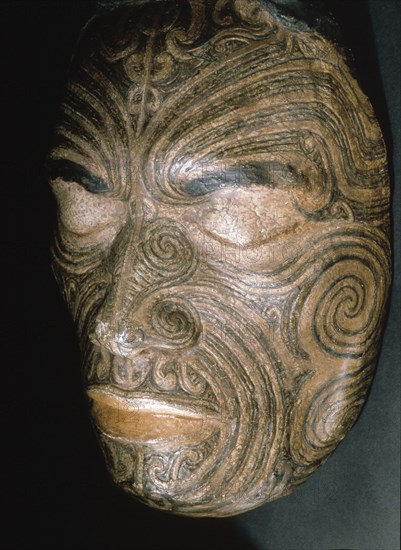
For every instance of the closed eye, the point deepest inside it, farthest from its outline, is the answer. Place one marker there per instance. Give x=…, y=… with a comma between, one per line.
x=269, y=174
x=91, y=217
x=69, y=171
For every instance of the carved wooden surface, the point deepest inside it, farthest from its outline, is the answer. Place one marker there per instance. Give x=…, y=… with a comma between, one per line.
x=223, y=247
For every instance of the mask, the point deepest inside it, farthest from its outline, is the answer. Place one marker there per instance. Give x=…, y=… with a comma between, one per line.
x=223, y=247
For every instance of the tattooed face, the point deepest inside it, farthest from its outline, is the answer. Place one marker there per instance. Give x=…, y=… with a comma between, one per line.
x=222, y=245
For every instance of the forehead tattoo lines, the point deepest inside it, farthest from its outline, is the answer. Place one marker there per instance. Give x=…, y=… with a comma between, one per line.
x=223, y=84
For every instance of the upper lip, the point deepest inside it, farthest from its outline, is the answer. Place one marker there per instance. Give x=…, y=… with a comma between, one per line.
x=150, y=419
x=158, y=403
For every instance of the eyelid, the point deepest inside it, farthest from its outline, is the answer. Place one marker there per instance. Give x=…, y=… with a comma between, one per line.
x=246, y=217
x=269, y=174
x=82, y=212
x=68, y=171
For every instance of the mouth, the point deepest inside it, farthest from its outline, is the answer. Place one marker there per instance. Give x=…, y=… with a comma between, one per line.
x=149, y=419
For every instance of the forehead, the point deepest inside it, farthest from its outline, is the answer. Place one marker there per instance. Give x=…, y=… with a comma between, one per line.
x=156, y=54
x=167, y=88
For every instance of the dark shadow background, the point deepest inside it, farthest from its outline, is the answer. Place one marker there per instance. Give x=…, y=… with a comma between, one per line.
x=56, y=490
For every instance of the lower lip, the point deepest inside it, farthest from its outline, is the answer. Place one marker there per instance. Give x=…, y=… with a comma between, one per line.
x=150, y=420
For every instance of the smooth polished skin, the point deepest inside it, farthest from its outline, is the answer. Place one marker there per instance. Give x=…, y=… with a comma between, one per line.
x=223, y=247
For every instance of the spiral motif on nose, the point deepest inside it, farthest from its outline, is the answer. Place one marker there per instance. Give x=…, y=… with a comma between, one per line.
x=166, y=249
x=176, y=321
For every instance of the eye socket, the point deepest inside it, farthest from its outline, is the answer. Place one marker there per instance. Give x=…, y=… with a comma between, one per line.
x=90, y=217
x=69, y=171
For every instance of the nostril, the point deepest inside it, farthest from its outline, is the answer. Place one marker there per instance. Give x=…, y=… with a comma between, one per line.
x=135, y=337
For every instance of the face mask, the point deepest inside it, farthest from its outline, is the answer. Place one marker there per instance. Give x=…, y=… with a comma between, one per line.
x=223, y=247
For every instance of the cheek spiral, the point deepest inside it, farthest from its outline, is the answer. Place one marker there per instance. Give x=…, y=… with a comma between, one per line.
x=330, y=414
x=339, y=315
x=339, y=312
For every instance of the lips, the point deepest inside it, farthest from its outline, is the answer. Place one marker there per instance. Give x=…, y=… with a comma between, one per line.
x=152, y=419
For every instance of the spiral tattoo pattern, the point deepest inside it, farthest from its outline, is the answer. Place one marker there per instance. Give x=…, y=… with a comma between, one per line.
x=176, y=320
x=166, y=249
x=342, y=308
x=330, y=414
x=223, y=246
x=234, y=370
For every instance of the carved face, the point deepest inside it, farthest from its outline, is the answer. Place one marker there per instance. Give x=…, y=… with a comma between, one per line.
x=222, y=245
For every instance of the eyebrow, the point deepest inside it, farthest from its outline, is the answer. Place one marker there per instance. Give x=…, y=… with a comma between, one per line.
x=69, y=171
x=270, y=174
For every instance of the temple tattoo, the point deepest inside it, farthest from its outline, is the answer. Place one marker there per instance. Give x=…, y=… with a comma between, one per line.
x=222, y=245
